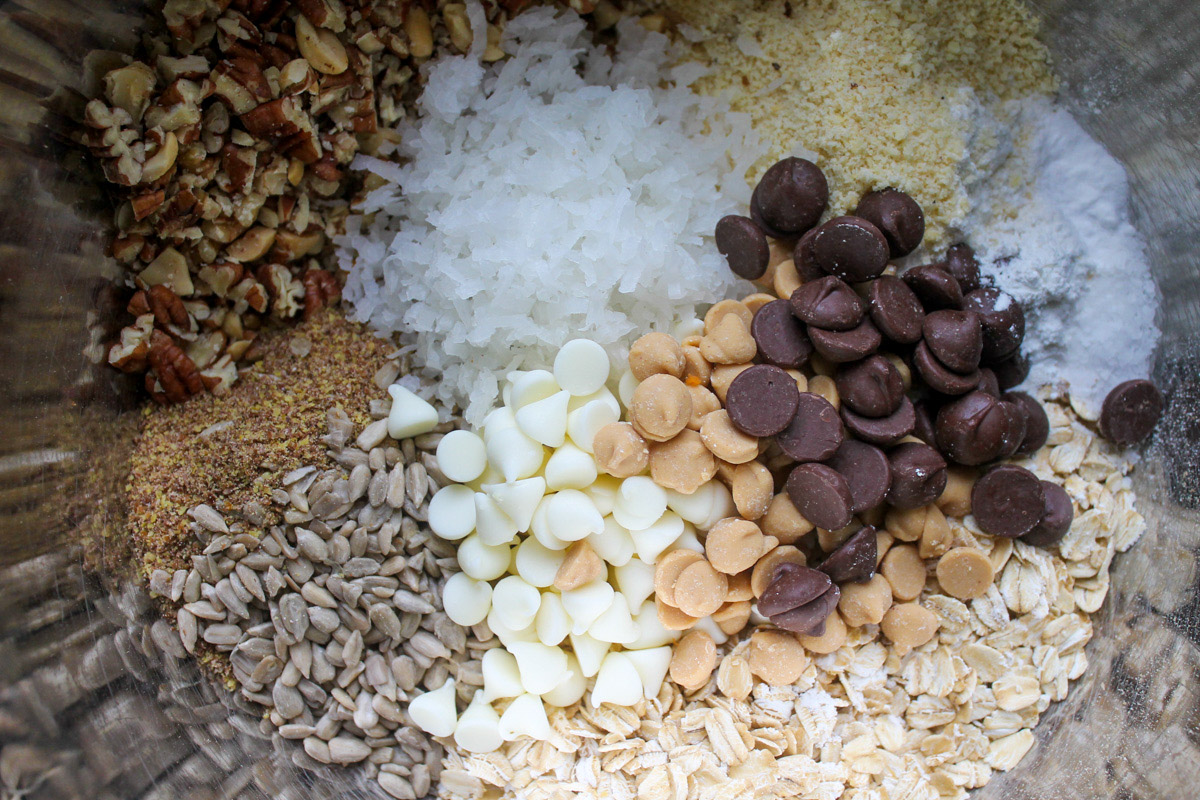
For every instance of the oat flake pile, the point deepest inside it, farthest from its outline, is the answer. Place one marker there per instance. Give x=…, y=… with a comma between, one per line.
x=652, y=400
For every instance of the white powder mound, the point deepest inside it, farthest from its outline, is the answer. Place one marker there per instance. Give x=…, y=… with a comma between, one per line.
x=563, y=192
x=1053, y=227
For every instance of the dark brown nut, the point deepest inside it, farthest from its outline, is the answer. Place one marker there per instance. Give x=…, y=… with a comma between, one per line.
x=1003, y=322
x=882, y=430
x=744, y=246
x=973, y=429
x=1037, y=425
x=939, y=377
x=828, y=303
x=1008, y=501
x=1056, y=520
x=1130, y=412
x=867, y=472
x=871, y=387
x=854, y=560
x=895, y=309
x=898, y=218
x=955, y=338
x=918, y=475
x=821, y=495
x=850, y=248
x=762, y=400
x=815, y=432
x=962, y=264
x=780, y=337
x=934, y=287
x=790, y=198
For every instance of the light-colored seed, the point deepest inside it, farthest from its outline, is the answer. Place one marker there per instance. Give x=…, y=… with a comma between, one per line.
x=428, y=645
x=385, y=620
x=222, y=635
x=318, y=595
x=209, y=518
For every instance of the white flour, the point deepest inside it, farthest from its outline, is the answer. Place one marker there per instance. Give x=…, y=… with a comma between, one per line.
x=1051, y=223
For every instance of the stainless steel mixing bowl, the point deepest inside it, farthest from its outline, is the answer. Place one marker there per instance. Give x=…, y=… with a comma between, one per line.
x=91, y=705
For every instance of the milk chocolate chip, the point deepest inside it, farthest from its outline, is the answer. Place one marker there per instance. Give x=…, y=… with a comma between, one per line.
x=842, y=346
x=867, y=473
x=762, y=400
x=809, y=619
x=780, y=336
x=972, y=429
x=895, y=310
x=1056, y=520
x=871, y=387
x=744, y=246
x=1130, y=412
x=803, y=259
x=934, y=287
x=815, y=432
x=854, y=560
x=1012, y=371
x=1003, y=322
x=850, y=248
x=790, y=198
x=828, y=303
x=882, y=430
x=1037, y=425
x=1008, y=501
x=939, y=377
x=898, y=218
x=791, y=587
x=962, y=264
x=918, y=475
x=955, y=338
x=821, y=495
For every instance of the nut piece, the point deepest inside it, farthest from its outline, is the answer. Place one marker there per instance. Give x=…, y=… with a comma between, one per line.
x=580, y=566
x=905, y=571
x=654, y=354
x=832, y=639
x=865, y=603
x=700, y=590
x=620, y=450
x=956, y=498
x=777, y=657
x=752, y=488
x=909, y=625
x=783, y=521
x=321, y=48
x=660, y=408
x=725, y=441
x=683, y=464
x=734, y=545
x=704, y=402
x=764, y=570
x=419, y=31
x=667, y=571
x=729, y=342
x=732, y=617
x=693, y=660
x=965, y=573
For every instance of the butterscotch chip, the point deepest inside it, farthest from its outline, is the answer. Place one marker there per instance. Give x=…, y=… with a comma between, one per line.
x=752, y=489
x=865, y=603
x=660, y=408
x=832, y=639
x=700, y=590
x=883, y=543
x=905, y=374
x=906, y=524
x=764, y=570
x=776, y=657
x=580, y=566
x=800, y=378
x=909, y=625
x=693, y=660
x=936, y=536
x=696, y=371
x=620, y=450
x=783, y=521
x=965, y=573
x=786, y=279
x=683, y=464
x=725, y=441
x=728, y=342
x=656, y=353
x=956, y=497
x=905, y=571
x=704, y=402
x=723, y=308
x=739, y=587
x=723, y=375
x=732, y=617
x=756, y=301
x=780, y=250
x=667, y=570
x=672, y=618
x=733, y=545
x=831, y=540
x=824, y=386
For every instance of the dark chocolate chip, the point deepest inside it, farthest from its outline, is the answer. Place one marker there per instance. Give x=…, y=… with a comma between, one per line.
x=988, y=382
x=867, y=472
x=1014, y=434
x=1056, y=520
x=828, y=303
x=805, y=261
x=815, y=432
x=1037, y=424
x=925, y=412
x=762, y=400
x=1008, y=501
x=939, y=377
x=779, y=335
x=792, y=588
x=871, y=387
x=744, y=246
x=898, y=218
x=895, y=310
x=882, y=430
x=850, y=248
x=962, y=264
x=955, y=338
x=842, y=346
x=918, y=475
x=854, y=559
x=934, y=287
x=1130, y=411
x=821, y=495
x=972, y=429
x=1003, y=322
x=809, y=619
x=1011, y=371
x=791, y=196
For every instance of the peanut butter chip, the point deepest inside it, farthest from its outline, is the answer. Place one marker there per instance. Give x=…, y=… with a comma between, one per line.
x=724, y=308
x=936, y=536
x=956, y=497
x=783, y=521
x=667, y=570
x=883, y=543
x=865, y=603
x=620, y=450
x=732, y=617
x=723, y=375
x=777, y=657
x=725, y=441
x=756, y=301
x=832, y=639
x=965, y=573
x=654, y=354
x=661, y=407
x=704, y=402
x=909, y=625
x=786, y=279
x=764, y=570
x=729, y=342
x=739, y=587
x=752, y=489
x=696, y=371
x=693, y=660
x=906, y=524
x=824, y=386
x=905, y=571
x=672, y=618
x=580, y=566
x=734, y=545
x=683, y=464
x=700, y=590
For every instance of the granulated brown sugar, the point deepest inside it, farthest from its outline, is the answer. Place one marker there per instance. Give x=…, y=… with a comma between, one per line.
x=231, y=451
x=870, y=87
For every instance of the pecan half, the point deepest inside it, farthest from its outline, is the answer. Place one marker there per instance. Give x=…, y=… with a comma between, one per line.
x=320, y=289
x=176, y=374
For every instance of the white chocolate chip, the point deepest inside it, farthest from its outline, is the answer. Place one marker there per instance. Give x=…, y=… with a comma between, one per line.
x=604, y=493
x=572, y=516
x=461, y=456
x=530, y=387
x=465, y=600
x=585, y=604
x=410, y=415
x=481, y=561
x=694, y=507
x=542, y=667
x=603, y=395
x=514, y=455
x=570, y=468
x=617, y=682
x=498, y=420
x=509, y=636
x=545, y=421
x=636, y=581
x=525, y=716
x=452, y=512
x=652, y=665
x=614, y=544
x=518, y=499
x=651, y=632
x=640, y=502
x=589, y=652
x=572, y=687
x=585, y=421
x=536, y=564
x=539, y=526
x=515, y=603
x=478, y=729
x=581, y=366
x=434, y=712
x=616, y=624
x=723, y=506
x=553, y=624
x=493, y=526
x=652, y=541
x=709, y=626
x=626, y=387
x=501, y=675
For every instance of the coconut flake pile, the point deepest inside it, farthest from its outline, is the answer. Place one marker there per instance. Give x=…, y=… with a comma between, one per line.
x=566, y=191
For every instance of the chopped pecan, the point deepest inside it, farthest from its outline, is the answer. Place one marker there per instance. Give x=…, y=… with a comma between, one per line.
x=170, y=269
x=146, y=203
x=130, y=87
x=177, y=376
x=248, y=294
x=221, y=375
x=320, y=289
x=126, y=248
x=239, y=164
x=130, y=352
x=286, y=292
x=240, y=82
x=290, y=246
x=221, y=277
x=252, y=245
x=162, y=303
x=207, y=347
x=329, y=14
